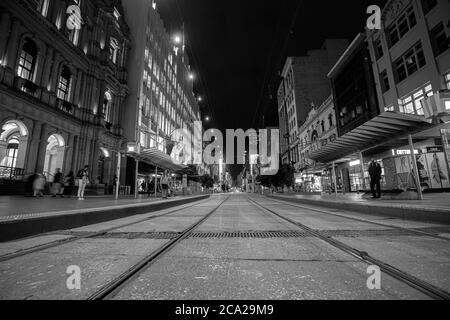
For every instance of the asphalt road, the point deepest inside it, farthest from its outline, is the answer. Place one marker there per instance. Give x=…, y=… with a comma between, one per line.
x=240, y=252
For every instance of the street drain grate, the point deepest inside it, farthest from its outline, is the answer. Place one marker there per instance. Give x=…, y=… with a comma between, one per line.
x=366, y=233
x=140, y=235
x=250, y=234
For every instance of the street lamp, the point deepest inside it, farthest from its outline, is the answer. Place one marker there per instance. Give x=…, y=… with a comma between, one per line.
x=191, y=76
x=177, y=39
x=199, y=99
x=207, y=118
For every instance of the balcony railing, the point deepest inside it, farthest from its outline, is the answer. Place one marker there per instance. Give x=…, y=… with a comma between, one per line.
x=65, y=106
x=10, y=173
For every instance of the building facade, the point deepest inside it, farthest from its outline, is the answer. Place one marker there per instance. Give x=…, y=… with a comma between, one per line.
x=161, y=97
x=318, y=130
x=400, y=104
x=304, y=83
x=62, y=86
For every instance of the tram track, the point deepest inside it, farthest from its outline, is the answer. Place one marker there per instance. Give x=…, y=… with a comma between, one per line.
x=111, y=289
x=418, y=232
x=418, y=284
x=57, y=243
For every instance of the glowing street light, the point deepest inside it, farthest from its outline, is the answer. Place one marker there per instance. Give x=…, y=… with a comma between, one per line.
x=177, y=39
x=207, y=118
x=199, y=99
x=191, y=76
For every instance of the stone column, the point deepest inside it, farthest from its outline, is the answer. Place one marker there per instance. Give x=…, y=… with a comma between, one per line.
x=5, y=22
x=40, y=65
x=69, y=155
x=22, y=152
x=54, y=76
x=76, y=97
x=42, y=148
x=33, y=147
x=12, y=48
x=45, y=80
x=3, y=150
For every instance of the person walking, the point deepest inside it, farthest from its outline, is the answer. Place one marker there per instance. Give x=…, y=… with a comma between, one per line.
x=69, y=182
x=83, y=181
x=38, y=185
x=375, y=179
x=57, y=184
x=165, y=184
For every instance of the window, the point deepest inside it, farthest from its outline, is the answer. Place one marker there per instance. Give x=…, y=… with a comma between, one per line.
x=384, y=81
x=389, y=109
x=113, y=50
x=447, y=80
x=116, y=14
x=42, y=7
x=378, y=49
x=107, y=106
x=11, y=153
x=401, y=27
x=439, y=39
x=411, y=104
x=64, y=85
x=27, y=60
x=410, y=62
x=428, y=5
x=330, y=120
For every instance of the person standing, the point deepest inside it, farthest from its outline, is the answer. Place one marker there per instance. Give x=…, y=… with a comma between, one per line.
x=165, y=184
x=57, y=183
x=83, y=181
x=375, y=179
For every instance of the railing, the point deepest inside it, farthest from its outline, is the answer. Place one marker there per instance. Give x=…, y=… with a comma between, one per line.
x=11, y=173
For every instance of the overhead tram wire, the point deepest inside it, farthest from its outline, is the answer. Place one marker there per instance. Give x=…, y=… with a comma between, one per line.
x=283, y=50
x=204, y=84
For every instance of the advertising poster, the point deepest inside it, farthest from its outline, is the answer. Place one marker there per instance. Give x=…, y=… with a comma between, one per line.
x=437, y=170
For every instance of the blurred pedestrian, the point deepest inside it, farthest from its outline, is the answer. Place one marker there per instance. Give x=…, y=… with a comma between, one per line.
x=165, y=184
x=38, y=185
x=375, y=179
x=69, y=183
x=57, y=184
x=83, y=181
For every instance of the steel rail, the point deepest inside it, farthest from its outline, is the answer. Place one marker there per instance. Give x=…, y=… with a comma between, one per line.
x=424, y=287
x=111, y=289
x=359, y=220
x=57, y=243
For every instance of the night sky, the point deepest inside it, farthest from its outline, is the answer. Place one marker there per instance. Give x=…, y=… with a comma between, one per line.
x=238, y=48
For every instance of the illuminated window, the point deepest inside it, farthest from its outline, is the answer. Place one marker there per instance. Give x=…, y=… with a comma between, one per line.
x=11, y=153
x=412, y=103
x=113, y=50
x=116, y=14
x=27, y=60
x=43, y=7
x=64, y=85
x=447, y=80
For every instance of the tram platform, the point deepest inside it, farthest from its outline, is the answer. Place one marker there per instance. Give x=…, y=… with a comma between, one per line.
x=23, y=217
x=434, y=208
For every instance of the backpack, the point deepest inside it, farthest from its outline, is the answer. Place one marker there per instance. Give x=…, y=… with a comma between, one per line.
x=80, y=174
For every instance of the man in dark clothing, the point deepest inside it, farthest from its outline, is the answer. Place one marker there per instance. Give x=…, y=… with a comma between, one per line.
x=375, y=179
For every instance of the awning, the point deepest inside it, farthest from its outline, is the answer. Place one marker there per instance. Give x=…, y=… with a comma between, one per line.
x=387, y=130
x=158, y=158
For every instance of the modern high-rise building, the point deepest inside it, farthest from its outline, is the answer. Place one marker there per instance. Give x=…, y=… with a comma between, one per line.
x=62, y=87
x=304, y=84
x=161, y=97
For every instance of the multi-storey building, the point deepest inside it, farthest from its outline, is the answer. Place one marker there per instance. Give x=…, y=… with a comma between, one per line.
x=318, y=130
x=392, y=99
x=161, y=97
x=62, y=86
x=304, y=84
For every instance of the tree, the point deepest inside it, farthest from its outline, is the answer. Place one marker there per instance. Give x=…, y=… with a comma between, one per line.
x=284, y=177
x=191, y=172
x=207, y=181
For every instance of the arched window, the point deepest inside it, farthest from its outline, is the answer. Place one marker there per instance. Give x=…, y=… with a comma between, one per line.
x=107, y=106
x=113, y=50
x=11, y=152
x=322, y=124
x=42, y=7
x=64, y=84
x=330, y=120
x=27, y=60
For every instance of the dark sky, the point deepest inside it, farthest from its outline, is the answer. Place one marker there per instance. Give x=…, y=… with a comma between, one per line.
x=237, y=47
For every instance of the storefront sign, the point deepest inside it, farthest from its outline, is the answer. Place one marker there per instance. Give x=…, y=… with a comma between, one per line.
x=435, y=149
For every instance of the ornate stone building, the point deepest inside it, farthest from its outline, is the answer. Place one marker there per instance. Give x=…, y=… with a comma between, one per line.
x=62, y=86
